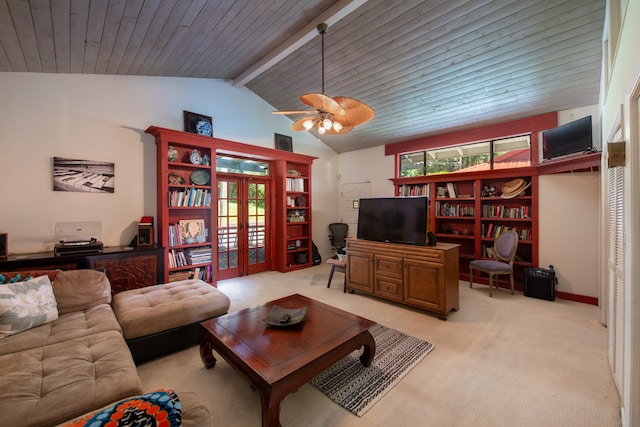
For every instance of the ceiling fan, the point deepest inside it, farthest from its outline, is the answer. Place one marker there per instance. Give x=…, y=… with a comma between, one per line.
x=337, y=115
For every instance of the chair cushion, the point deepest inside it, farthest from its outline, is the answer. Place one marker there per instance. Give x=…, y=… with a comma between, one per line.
x=491, y=265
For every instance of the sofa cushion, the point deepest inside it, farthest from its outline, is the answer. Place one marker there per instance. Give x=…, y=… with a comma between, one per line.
x=153, y=309
x=76, y=290
x=68, y=326
x=24, y=305
x=57, y=382
x=156, y=408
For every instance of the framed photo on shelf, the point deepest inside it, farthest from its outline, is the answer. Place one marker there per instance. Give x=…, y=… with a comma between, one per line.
x=197, y=123
x=283, y=142
x=192, y=230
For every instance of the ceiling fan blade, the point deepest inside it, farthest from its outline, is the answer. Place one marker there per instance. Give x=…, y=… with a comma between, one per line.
x=322, y=102
x=355, y=112
x=295, y=112
x=345, y=129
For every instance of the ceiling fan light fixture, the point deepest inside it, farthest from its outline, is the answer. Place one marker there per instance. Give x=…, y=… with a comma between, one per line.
x=336, y=115
x=308, y=124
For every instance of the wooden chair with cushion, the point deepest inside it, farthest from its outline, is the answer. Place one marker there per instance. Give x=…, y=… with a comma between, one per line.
x=338, y=265
x=503, y=253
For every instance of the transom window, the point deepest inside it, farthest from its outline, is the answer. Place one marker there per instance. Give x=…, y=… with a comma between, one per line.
x=503, y=153
x=241, y=166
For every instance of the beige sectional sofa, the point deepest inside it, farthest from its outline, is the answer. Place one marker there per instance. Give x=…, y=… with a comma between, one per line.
x=74, y=364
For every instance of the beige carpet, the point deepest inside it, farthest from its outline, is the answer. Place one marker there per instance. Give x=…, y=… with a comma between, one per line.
x=502, y=361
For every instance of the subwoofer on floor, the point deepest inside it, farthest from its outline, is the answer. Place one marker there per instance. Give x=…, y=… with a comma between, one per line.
x=540, y=283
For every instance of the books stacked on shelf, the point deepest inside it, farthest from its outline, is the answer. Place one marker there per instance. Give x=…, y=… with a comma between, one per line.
x=200, y=255
x=494, y=230
x=501, y=211
x=446, y=209
x=295, y=184
x=190, y=197
x=190, y=256
x=176, y=276
x=202, y=273
x=408, y=190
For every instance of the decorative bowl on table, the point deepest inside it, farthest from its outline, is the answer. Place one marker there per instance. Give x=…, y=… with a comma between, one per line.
x=279, y=316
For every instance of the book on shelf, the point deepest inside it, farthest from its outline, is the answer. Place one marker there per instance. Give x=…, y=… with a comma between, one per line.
x=451, y=189
x=202, y=273
x=146, y=221
x=494, y=230
x=295, y=184
x=190, y=197
x=200, y=255
x=408, y=190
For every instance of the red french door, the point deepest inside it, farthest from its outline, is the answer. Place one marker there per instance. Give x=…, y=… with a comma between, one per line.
x=243, y=246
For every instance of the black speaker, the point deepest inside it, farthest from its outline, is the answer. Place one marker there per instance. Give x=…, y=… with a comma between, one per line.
x=540, y=283
x=431, y=239
x=4, y=244
x=145, y=235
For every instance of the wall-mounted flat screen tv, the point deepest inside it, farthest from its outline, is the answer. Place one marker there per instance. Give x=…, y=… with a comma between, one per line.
x=393, y=220
x=570, y=138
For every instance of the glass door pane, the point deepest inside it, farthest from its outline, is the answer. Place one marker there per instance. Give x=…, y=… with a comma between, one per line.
x=228, y=249
x=257, y=225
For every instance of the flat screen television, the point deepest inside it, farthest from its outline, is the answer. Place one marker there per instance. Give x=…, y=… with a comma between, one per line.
x=570, y=138
x=393, y=220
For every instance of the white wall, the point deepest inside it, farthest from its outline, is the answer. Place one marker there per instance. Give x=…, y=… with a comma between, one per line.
x=569, y=218
x=103, y=118
x=568, y=236
x=617, y=101
x=368, y=165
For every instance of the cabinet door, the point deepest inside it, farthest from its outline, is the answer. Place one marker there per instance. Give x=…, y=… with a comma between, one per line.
x=360, y=271
x=424, y=284
x=129, y=271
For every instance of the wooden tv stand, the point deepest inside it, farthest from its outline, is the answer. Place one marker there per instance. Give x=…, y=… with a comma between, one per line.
x=420, y=276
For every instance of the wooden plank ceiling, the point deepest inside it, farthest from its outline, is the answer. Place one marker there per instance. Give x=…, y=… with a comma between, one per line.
x=425, y=67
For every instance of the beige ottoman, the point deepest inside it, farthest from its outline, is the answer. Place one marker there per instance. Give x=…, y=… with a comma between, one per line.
x=157, y=320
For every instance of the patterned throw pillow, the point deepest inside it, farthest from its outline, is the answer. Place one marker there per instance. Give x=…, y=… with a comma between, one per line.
x=24, y=305
x=159, y=408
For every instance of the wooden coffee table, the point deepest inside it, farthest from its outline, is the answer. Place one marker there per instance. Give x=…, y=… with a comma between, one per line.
x=277, y=361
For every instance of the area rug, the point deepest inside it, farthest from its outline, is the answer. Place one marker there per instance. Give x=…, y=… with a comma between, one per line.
x=357, y=388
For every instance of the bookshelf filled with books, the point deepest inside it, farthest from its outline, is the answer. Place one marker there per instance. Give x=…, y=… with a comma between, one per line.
x=185, y=213
x=472, y=209
x=294, y=244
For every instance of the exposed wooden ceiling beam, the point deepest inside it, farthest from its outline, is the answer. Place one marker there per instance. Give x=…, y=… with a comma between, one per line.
x=335, y=13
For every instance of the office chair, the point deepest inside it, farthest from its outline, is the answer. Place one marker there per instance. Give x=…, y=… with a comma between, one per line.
x=503, y=253
x=339, y=231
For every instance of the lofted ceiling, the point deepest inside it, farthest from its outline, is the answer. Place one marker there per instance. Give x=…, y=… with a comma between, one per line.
x=425, y=67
